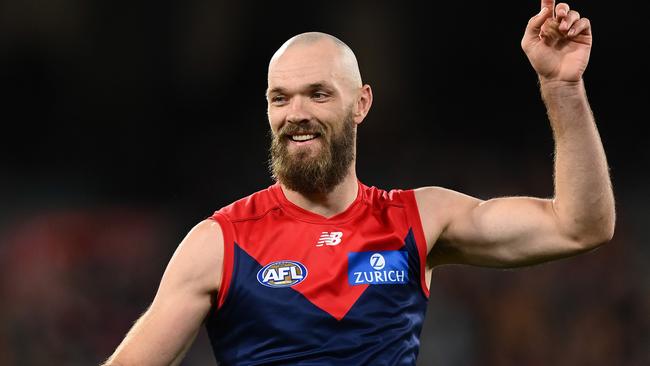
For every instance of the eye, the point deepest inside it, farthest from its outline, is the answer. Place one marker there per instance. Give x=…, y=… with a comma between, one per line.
x=278, y=99
x=319, y=95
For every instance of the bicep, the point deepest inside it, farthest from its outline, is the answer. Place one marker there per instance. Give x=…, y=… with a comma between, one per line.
x=500, y=232
x=192, y=277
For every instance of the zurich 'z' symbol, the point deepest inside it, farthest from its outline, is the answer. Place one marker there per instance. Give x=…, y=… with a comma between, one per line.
x=377, y=261
x=282, y=274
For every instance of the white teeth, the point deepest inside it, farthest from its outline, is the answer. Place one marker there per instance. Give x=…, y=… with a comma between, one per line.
x=302, y=137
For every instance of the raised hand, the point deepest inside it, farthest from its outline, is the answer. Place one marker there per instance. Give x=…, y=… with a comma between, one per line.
x=558, y=45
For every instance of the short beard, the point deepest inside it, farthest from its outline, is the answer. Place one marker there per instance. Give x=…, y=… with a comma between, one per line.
x=318, y=174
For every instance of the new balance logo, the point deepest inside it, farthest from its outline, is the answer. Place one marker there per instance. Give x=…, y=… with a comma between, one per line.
x=329, y=238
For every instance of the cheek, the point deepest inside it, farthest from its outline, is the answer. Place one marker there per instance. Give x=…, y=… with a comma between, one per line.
x=275, y=121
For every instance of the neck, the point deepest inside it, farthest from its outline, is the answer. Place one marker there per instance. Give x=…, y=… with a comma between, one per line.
x=327, y=204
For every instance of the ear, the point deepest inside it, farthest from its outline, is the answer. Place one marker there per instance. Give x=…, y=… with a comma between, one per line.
x=362, y=104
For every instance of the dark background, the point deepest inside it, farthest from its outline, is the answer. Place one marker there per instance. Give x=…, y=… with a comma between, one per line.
x=124, y=123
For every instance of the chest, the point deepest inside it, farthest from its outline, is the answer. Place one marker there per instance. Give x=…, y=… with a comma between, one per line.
x=331, y=265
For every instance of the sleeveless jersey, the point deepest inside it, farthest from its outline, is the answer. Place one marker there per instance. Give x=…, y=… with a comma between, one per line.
x=302, y=289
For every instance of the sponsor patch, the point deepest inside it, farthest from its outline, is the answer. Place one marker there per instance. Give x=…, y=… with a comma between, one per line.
x=282, y=274
x=378, y=268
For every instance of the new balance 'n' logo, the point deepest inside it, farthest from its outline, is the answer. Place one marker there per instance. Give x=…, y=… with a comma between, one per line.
x=329, y=238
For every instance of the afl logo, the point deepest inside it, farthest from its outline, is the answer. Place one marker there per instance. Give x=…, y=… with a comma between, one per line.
x=282, y=274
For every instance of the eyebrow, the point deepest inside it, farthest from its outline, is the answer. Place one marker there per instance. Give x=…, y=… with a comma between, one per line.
x=317, y=85
x=320, y=84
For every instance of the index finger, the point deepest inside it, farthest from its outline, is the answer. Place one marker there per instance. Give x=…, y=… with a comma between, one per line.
x=550, y=4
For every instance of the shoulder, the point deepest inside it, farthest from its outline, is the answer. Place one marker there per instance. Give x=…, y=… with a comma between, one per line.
x=378, y=197
x=206, y=231
x=442, y=200
x=200, y=253
x=427, y=198
x=439, y=207
x=252, y=206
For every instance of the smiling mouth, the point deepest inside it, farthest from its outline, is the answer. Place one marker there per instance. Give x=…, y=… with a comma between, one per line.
x=303, y=137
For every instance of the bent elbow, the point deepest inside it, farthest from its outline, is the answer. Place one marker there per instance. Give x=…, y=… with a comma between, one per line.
x=592, y=231
x=597, y=237
x=606, y=232
x=594, y=243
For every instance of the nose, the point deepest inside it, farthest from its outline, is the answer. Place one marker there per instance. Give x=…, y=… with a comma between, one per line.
x=297, y=112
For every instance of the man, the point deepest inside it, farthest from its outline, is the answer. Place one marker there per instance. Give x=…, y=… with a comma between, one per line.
x=321, y=269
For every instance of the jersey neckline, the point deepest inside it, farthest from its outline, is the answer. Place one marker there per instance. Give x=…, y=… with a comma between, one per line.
x=308, y=216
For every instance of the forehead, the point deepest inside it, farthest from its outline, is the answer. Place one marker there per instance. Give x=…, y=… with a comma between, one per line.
x=305, y=64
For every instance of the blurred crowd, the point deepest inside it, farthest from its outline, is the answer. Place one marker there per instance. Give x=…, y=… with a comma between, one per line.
x=72, y=280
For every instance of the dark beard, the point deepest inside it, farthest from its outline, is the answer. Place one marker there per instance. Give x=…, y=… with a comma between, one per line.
x=318, y=174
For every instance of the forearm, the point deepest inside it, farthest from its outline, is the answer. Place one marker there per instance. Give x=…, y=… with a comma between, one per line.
x=164, y=333
x=147, y=344
x=584, y=201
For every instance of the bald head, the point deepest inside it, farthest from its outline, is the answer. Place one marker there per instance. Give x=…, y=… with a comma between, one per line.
x=316, y=49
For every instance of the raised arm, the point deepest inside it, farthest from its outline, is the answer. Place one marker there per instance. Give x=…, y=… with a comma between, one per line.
x=516, y=231
x=165, y=331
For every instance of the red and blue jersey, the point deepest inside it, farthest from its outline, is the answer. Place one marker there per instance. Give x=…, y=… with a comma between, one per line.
x=299, y=288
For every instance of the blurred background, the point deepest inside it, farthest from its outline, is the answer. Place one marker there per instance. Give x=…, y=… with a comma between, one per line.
x=126, y=123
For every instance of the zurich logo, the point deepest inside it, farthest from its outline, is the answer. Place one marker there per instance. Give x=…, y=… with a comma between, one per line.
x=386, y=267
x=282, y=274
